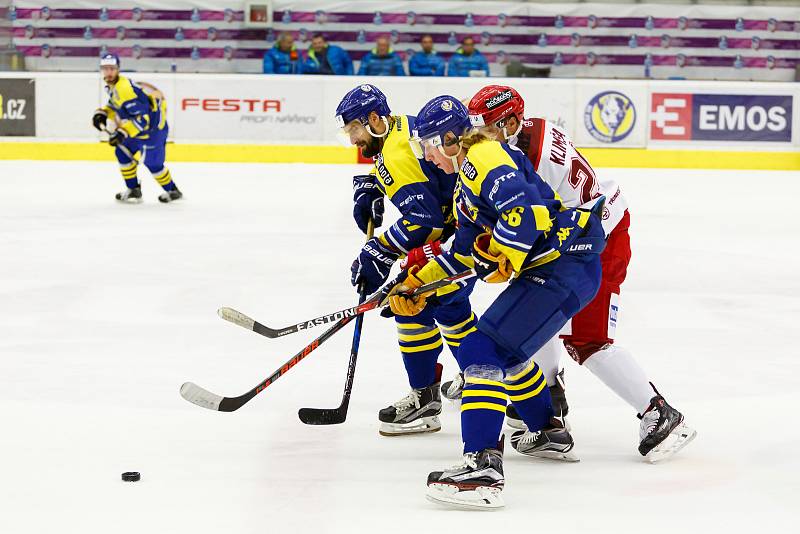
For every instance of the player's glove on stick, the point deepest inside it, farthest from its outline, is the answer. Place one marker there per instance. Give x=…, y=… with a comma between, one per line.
x=118, y=137
x=490, y=264
x=99, y=119
x=373, y=264
x=407, y=305
x=367, y=201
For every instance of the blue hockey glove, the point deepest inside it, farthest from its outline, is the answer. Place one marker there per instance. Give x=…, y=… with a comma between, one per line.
x=118, y=137
x=372, y=266
x=367, y=201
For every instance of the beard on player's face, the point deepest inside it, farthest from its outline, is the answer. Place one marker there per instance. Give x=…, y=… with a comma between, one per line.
x=371, y=147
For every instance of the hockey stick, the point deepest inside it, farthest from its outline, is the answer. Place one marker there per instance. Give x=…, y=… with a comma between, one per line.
x=336, y=416
x=124, y=149
x=238, y=318
x=206, y=399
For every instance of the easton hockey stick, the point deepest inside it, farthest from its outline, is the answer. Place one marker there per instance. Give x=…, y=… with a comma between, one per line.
x=337, y=416
x=206, y=399
x=239, y=318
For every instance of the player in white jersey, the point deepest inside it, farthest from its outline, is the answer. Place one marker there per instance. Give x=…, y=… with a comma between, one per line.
x=589, y=337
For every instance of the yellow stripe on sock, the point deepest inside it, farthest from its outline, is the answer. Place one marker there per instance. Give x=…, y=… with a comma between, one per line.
x=530, y=394
x=484, y=393
x=484, y=381
x=417, y=337
x=411, y=326
x=527, y=383
x=459, y=325
x=429, y=346
x=460, y=334
x=528, y=368
x=483, y=406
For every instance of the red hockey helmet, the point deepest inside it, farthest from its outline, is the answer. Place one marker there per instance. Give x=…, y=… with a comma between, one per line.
x=491, y=107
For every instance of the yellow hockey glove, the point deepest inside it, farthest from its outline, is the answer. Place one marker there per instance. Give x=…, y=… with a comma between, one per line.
x=490, y=265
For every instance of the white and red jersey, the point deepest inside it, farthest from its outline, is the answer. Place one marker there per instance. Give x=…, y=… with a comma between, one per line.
x=559, y=163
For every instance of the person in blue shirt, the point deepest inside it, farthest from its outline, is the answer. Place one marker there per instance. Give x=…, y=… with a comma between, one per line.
x=427, y=62
x=467, y=59
x=283, y=58
x=324, y=58
x=382, y=61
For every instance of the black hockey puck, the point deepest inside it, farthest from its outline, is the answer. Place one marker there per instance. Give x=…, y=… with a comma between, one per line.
x=131, y=476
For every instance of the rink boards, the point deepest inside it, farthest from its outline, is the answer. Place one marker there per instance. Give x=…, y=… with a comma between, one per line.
x=276, y=119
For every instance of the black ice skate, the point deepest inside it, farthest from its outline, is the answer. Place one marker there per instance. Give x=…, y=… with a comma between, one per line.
x=451, y=390
x=130, y=196
x=169, y=196
x=553, y=443
x=476, y=483
x=560, y=406
x=662, y=431
x=416, y=412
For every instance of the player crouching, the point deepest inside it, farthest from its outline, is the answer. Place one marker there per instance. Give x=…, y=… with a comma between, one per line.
x=140, y=114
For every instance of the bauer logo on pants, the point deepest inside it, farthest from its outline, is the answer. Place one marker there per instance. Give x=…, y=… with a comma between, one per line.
x=703, y=117
x=609, y=116
x=17, y=107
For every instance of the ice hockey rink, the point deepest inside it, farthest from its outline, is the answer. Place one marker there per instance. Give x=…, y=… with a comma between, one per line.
x=106, y=309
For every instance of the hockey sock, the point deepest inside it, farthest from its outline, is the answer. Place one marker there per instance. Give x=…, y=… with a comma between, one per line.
x=528, y=390
x=453, y=334
x=128, y=171
x=420, y=345
x=548, y=358
x=617, y=369
x=483, y=407
x=164, y=179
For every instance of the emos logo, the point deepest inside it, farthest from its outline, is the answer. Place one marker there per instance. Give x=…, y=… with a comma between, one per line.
x=610, y=116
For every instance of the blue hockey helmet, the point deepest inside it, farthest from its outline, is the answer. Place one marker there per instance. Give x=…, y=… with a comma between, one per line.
x=352, y=113
x=109, y=60
x=441, y=115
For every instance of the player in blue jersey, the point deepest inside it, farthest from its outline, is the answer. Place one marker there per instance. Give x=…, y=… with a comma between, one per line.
x=140, y=114
x=510, y=224
x=423, y=194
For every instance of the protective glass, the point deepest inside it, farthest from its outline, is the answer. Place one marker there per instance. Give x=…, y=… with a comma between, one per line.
x=420, y=144
x=351, y=133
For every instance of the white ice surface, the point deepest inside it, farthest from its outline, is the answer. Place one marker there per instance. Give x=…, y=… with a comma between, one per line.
x=106, y=309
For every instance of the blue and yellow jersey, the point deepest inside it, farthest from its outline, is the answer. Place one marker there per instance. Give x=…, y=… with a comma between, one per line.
x=141, y=110
x=499, y=192
x=421, y=191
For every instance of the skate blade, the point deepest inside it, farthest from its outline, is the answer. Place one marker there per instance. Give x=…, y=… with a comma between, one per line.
x=520, y=425
x=555, y=455
x=480, y=499
x=680, y=437
x=130, y=201
x=418, y=426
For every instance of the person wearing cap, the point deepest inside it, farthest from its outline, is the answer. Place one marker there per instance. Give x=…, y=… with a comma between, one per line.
x=467, y=61
x=140, y=114
x=423, y=195
x=427, y=62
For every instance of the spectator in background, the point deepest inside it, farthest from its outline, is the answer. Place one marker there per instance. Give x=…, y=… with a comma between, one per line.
x=382, y=61
x=324, y=58
x=427, y=62
x=283, y=58
x=466, y=60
